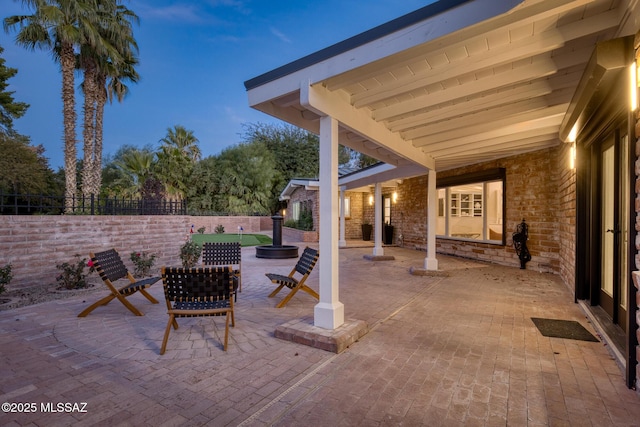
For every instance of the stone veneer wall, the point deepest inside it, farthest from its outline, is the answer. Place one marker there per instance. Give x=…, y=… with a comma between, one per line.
x=34, y=245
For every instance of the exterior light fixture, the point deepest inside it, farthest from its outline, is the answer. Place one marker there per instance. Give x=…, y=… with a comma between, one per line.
x=572, y=156
x=633, y=86
x=370, y=200
x=394, y=197
x=284, y=212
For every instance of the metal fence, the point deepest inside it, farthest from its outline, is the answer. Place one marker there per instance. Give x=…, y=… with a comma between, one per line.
x=29, y=204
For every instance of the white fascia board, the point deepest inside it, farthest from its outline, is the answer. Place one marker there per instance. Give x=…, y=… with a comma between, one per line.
x=381, y=173
x=336, y=105
x=458, y=18
x=296, y=183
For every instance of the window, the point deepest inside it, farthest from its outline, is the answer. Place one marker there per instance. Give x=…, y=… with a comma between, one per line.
x=387, y=210
x=295, y=211
x=347, y=207
x=471, y=207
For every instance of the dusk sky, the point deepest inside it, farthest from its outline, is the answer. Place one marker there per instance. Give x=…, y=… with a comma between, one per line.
x=194, y=59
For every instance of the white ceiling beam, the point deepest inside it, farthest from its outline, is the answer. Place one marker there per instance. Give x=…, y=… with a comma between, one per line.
x=524, y=14
x=558, y=88
x=525, y=122
x=480, y=119
x=523, y=139
x=520, y=75
x=336, y=105
x=531, y=46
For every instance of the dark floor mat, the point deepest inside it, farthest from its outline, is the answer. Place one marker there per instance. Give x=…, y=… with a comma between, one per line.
x=569, y=329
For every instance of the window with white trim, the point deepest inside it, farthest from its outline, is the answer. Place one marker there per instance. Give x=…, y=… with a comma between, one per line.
x=295, y=211
x=472, y=207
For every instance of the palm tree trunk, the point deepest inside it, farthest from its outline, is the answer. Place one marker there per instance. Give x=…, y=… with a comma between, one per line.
x=88, y=132
x=97, y=161
x=67, y=63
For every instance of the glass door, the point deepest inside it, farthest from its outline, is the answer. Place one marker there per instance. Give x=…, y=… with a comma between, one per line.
x=614, y=219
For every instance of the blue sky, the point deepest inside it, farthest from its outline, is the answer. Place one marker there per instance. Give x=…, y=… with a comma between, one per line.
x=194, y=59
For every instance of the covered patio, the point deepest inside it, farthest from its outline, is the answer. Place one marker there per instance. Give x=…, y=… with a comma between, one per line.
x=454, y=84
x=427, y=359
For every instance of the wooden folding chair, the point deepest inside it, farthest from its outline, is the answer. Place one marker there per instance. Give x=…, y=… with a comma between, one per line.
x=305, y=264
x=223, y=254
x=110, y=267
x=197, y=292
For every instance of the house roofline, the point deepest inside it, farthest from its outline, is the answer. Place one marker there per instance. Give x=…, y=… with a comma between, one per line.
x=368, y=36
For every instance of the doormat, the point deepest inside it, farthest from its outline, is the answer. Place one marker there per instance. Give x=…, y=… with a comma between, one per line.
x=568, y=329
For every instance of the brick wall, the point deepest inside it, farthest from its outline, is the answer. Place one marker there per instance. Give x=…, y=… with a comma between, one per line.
x=539, y=189
x=566, y=216
x=34, y=245
x=305, y=197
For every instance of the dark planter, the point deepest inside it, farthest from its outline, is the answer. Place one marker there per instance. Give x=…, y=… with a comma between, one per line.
x=366, y=231
x=387, y=234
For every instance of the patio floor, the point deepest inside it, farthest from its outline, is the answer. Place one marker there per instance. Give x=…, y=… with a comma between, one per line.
x=456, y=349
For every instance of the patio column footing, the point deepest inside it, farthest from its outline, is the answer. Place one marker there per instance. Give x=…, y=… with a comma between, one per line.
x=303, y=331
x=414, y=271
x=379, y=257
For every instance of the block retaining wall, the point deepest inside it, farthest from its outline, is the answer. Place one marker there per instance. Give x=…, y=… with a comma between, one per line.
x=34, y=245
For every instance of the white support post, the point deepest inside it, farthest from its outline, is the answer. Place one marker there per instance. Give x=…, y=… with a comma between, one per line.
x=343, y=241
x=431, y=262
x=329, y=312
x=378, y=250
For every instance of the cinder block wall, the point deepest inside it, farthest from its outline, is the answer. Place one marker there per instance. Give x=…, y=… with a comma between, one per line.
x=34, y=245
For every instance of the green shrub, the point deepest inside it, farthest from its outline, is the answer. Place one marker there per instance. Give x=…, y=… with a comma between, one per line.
x=291, y=223
x=73, y=275
x=220, y=229
x=5, y=277
x=201, y=230
x=143, y=263
x=190, y=254
x=305, y=222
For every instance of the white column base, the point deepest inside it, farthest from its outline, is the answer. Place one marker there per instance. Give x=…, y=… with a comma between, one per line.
x=327, y=315
x=378, y=251
x=431, y=264
x=342, y=243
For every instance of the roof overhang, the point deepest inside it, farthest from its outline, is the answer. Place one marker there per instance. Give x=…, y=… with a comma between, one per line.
x=294, y=184
x=454, y=83
x=609, y=60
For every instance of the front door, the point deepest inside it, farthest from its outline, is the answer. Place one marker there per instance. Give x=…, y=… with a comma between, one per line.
x=613, y=226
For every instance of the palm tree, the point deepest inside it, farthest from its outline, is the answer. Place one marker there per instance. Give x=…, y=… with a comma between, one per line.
x=178, y=154
x=135, y=167
x=60, y=26
x=111, y=84
x=113, y=56
x=184, y=140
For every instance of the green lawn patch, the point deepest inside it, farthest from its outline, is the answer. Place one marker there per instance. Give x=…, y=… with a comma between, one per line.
x=247, y=239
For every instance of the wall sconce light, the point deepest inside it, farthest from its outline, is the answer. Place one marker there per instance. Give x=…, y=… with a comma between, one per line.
x=633, y=86
x=572, y=156
x=284, y=212
x=370, y=200
x=394, y=197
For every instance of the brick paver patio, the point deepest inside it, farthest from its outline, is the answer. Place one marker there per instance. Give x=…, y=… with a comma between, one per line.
x=454, y=349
